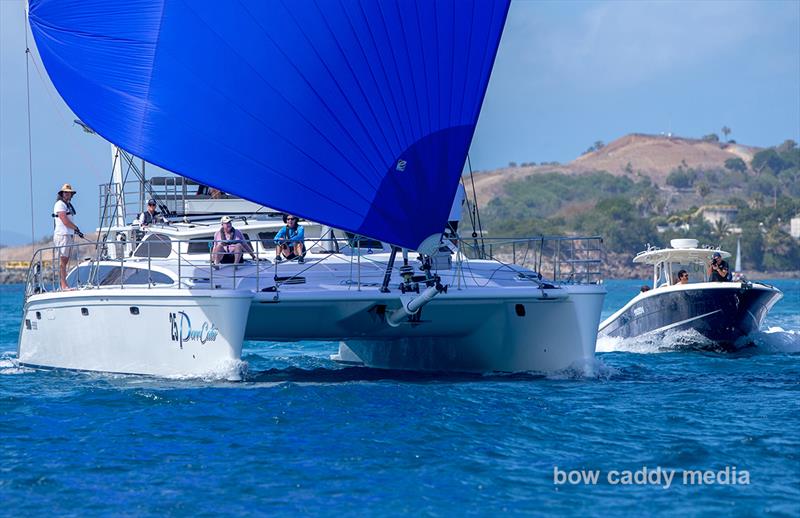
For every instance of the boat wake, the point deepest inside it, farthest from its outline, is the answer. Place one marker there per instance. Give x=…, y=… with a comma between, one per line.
x=774, y=340
x=9, y=365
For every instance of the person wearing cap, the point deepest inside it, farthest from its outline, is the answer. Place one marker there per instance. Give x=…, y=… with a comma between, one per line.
x=64, y=230
x=290, y=240
x=150, y=216
x=718, y=270
x=230, y=244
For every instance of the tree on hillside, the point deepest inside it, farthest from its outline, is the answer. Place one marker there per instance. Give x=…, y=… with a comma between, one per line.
x=720, y=229
x=512, y=164
x=599, y=144
x=703, y=189
x=629, y=168
x=768, y=160
x=681, y=178
x=736, y=164
x=711, y=137
x=726, y=131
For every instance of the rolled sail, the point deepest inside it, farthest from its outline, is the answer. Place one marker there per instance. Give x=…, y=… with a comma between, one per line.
x=358, y=115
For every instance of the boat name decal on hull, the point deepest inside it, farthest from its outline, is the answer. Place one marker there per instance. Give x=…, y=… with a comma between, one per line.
x=181, y=326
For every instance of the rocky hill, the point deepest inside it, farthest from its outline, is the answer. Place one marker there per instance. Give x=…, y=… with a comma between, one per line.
x=634, y=155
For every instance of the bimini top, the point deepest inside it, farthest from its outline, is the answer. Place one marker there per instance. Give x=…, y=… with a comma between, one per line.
x=683, y=251
x=355, y=114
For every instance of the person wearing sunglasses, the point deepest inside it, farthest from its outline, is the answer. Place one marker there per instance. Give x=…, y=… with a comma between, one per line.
x=683, y=277
x=289, y=240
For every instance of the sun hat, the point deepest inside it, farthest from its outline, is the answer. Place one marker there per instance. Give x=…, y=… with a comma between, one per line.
x=225, y=219
x=67, y=188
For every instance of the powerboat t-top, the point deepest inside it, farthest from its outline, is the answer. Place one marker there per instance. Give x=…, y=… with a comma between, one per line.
x=723, y=312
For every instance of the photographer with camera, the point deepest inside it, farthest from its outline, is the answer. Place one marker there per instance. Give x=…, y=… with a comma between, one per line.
x=718, y=270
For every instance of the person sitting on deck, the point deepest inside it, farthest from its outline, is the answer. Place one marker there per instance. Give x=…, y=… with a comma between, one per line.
x=230, y=244
x=150, y=216
x=718, y=270
x=290, y=240
x=683, y=277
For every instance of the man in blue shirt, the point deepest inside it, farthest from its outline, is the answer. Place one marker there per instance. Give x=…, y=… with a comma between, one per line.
x=289, y=240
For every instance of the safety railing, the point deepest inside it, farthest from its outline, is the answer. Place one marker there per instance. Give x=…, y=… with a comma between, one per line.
x=566, y=259
x=549, y=258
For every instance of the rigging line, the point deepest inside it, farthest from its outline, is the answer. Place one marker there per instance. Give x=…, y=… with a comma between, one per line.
x=93, y=271
x=475, y=207
x=46, y=85
x=466, y=199
x=30, y=150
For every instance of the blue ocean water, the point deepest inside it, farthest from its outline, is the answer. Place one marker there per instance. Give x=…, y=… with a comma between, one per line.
x=303, y=435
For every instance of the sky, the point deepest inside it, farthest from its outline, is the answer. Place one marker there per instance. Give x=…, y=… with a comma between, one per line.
x=567, y=74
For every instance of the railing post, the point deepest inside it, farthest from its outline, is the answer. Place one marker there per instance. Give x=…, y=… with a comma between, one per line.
x=258, y=266
x=149, y=267
x=180, y=282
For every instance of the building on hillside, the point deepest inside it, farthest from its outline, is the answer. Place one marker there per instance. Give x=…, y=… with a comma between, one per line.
x=794, y=227
x=716, y=213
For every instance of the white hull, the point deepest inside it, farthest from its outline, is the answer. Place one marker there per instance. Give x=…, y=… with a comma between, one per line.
x=468, y=331
x=161, y=332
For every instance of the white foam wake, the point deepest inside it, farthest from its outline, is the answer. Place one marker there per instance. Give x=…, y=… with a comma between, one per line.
x=10, y=365
x=776, y=340
x=773, y=340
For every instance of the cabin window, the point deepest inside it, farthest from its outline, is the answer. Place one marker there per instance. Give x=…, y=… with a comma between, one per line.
x=79, y=276
x=696, y=271
x=154, y=245
x=200, y=245
x=267, y=238
x=130, y=275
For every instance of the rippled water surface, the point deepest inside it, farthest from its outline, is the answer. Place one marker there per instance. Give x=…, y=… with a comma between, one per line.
x=305, y=435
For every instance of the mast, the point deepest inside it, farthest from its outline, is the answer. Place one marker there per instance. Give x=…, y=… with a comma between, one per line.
x=118, y=187
x=738, y=266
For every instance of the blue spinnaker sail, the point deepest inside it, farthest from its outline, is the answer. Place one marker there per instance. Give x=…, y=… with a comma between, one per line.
x=354, y=114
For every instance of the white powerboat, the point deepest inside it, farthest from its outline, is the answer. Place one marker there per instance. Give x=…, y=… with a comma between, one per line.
x=345, y=125
x=723, y=312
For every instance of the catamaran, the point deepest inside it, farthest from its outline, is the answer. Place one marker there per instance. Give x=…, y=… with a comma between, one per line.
x=325, y=112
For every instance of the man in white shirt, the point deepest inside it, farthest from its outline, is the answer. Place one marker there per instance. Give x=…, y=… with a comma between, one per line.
x=65, y=230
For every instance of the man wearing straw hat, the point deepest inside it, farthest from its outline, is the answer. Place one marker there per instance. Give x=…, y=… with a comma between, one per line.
x=65, y=230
